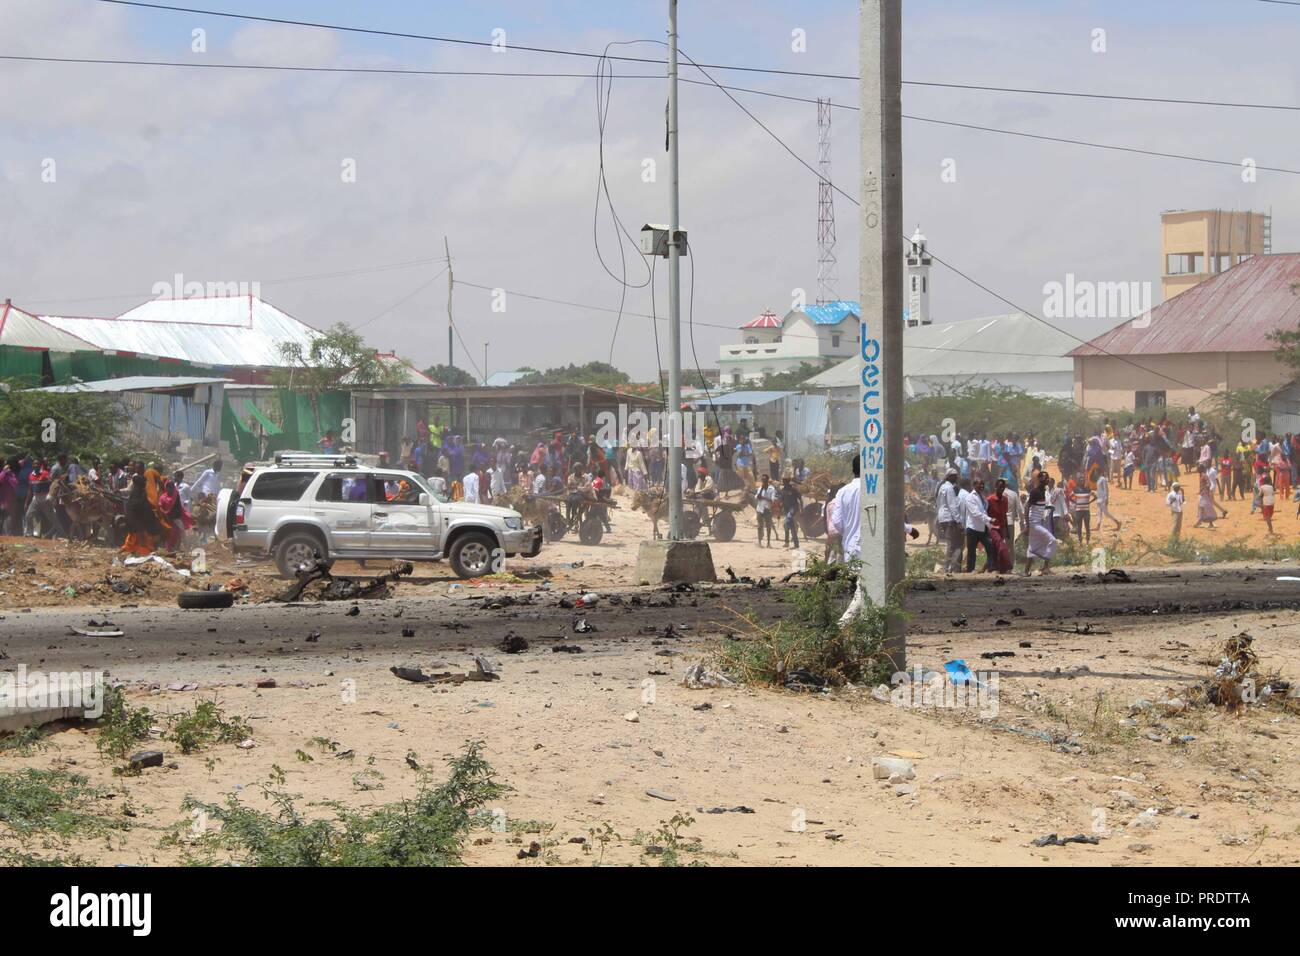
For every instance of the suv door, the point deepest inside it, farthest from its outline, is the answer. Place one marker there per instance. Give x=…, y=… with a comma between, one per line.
x=342, y=504
x=400, y=525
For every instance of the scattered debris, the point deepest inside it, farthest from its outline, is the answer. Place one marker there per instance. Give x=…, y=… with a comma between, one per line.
x=699, y=677
x=98, y=629
x=660, y=795
x=1053, y=840
x=343, y=589
x=146, y=758
x=566, y=649
x=512, y=644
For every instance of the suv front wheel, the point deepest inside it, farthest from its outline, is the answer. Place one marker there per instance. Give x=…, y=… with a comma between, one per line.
x=471, y=555
x=298, y=548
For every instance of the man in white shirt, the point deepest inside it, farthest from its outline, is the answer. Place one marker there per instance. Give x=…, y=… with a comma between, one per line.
x=848, y=512
x=951, y=527
x=764, y=496
x=976, y=515
x=497, y=481
x=1175, y=502
x=209, y=482
x=471, y=487
x=539, y=483
x=182, y=488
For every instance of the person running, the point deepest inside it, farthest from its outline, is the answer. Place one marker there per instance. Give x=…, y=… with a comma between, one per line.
x=1174, y=501
x=1103, y=503
x=1267, y=496
x=764, y=496
x=1205, y=510
x=1041, y=544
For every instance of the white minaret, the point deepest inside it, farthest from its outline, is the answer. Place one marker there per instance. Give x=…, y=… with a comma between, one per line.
x=918, y=280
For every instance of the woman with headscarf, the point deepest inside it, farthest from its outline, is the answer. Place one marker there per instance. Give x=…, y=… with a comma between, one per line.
x=1094, y=461
x=636, y=469
x=177, y=516
x=142, y=525
x=153, y=486
x=1042, y=542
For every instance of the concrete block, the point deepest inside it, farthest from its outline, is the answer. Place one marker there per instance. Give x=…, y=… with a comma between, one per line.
x=672, y=562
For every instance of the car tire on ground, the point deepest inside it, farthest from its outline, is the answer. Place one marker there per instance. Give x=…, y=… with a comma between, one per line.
x=591, y=530
x=205, y=600
x=471, y=555
x=723, y=526
x=295, y=549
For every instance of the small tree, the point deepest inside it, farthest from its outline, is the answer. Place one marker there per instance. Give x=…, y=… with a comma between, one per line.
x=450, y=375
x=335, y=357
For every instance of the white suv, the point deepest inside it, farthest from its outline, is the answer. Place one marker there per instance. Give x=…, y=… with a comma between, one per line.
x=308, y=505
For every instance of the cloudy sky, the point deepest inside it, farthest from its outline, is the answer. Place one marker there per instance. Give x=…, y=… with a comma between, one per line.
x=225, y=175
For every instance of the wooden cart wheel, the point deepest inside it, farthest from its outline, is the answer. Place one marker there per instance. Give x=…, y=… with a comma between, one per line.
x=723, y=526
x=812, y=521
x=591, y=530
x=555, y=525
x=691, y=524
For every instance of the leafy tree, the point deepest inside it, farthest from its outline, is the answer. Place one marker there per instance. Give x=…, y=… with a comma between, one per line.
x=53, y=423
x=1288, y=341
x=792, y=378
x=337, y=357
x=450, y=375
x=598, y=374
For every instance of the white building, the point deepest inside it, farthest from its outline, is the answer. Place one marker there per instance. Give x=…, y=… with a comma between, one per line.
x=815, y=334
x=1000, y=351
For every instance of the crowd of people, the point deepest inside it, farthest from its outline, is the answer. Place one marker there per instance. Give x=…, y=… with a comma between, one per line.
x=985, y=491
x=37, y=497
x=568, y=464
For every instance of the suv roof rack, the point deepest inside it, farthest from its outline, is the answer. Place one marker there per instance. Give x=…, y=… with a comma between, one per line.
x=300, y=459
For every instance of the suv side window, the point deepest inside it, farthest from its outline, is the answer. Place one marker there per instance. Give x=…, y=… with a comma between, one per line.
x=281, y=485
x=396, y=489
x=346, y=487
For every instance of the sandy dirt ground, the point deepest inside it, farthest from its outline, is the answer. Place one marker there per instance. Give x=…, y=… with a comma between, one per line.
x=1056, y=752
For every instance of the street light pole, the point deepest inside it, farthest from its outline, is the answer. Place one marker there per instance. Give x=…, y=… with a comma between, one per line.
x=673, y=480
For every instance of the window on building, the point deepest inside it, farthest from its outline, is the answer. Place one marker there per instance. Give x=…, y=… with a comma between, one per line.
x=925, y=284
x=1148, y=400
x=1183, y=263
x=835, y=340
x=913, y=283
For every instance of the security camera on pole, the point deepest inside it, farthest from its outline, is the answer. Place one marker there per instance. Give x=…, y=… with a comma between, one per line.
x=673, y=559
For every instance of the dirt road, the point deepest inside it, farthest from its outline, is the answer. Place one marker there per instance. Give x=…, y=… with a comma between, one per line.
x=557, y=725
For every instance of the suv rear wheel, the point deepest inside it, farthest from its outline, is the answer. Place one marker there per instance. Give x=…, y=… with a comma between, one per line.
x=296, y=549
x=471, y=555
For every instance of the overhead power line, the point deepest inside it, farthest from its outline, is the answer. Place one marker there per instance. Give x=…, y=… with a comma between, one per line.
x=774, y=71
x=979, y=285
x=460, y=41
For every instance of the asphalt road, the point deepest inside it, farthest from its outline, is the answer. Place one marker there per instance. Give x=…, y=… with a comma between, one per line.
x=158, y=638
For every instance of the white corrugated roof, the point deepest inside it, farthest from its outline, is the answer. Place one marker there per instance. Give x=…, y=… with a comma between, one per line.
x=21, y=330
x=995, y=344
x=132, y=383
x=221, y=330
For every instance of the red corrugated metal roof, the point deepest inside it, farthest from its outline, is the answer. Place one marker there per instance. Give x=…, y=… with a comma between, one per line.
x=767, y=320
x=1232, y=312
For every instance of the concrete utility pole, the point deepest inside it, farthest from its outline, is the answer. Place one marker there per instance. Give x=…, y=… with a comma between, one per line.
x=673, y=559
x=673, y=479
x=451, y=360
x=881, y=279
